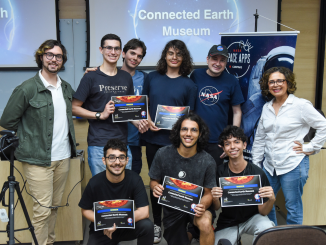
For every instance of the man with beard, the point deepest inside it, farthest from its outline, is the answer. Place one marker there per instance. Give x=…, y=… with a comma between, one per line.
x=40, y=111
x=185, y=159
x=117, y=183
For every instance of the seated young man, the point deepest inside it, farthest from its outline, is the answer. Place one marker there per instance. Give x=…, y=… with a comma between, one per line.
x=117, y=183
x=234, y=221
x=185, y=159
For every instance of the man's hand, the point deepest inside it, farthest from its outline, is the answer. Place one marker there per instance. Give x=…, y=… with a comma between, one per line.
x=152, y=126
x=143, y=126
x=223, y=154
x=217, y=192
x=200, y=210
x=298, y=149
x=90, y=69
x=158, y=191
x=267, y=191
x=108, y=110
x=109, y=232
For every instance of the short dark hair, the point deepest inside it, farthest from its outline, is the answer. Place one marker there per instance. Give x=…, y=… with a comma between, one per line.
x=133, y=44
x=232, y=131
x=203, y=131
x=110, y=37
x=289, y=77
x=186, y=65
x=49, y=44
x=115, y=144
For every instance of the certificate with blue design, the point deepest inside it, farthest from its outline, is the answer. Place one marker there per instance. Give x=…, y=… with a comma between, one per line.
x=167, y=116
x=129, y=108
x=110, y=212
x=181, y=195
x=240, y=190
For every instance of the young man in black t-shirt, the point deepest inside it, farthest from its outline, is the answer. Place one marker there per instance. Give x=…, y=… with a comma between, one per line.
x=92, y=101
x=186, y=160
x=117, y=183
x=234, y=221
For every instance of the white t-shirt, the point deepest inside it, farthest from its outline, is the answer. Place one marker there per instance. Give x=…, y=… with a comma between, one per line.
x=60, y=139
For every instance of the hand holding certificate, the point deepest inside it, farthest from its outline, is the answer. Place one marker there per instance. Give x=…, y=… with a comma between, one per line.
x=240, y=190
x=180, y=195
x=114, y=213
x=130, y=108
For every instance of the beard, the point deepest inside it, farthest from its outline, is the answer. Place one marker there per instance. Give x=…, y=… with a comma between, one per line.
x=194, y=144
x=115, y=174
x=46, y=67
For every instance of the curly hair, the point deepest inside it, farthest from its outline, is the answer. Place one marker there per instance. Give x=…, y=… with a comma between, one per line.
x=115, y=144
x=186, y=65
x=134, y=44
x=289, y=77
x=203, y=131
x=232, y=131
x=49, y=44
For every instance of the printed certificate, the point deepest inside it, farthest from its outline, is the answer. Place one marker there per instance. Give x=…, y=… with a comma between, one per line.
x=166, y=116
x=240, y=190
x=130, y=108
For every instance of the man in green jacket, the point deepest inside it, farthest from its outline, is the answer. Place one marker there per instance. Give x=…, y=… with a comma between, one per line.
x=40, y=111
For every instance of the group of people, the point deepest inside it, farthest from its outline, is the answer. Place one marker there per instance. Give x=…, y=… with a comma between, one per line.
x=41, y=110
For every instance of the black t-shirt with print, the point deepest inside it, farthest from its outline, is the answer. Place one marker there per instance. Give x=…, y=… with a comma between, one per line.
x=198, y=169
x=95, y=90
x=231, y=216
x=99, y=188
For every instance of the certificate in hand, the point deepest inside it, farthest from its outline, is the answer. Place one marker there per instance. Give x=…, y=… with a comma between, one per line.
x=118, y=212
x=180, y=195
x=166, y=116
x=129, y=108
x=240, y=190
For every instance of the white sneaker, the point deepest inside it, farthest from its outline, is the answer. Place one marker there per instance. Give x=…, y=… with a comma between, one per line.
x=157, y=234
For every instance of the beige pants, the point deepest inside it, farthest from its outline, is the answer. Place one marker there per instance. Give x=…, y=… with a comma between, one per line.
x=47, y=185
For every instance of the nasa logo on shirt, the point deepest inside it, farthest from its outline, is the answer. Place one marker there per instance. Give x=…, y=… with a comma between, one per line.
x=182, y=174
x=209, y=95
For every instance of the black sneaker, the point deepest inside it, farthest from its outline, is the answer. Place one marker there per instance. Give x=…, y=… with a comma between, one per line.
x=157, y=234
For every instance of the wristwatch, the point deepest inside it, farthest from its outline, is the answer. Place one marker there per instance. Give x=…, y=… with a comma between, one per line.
x=98, y=115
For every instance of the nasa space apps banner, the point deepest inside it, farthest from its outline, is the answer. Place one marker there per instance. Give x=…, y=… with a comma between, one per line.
x=240, y=190
x=110, y=212
x=167, y=116
x=181, y=195
x=129, y=108
x=250, y=55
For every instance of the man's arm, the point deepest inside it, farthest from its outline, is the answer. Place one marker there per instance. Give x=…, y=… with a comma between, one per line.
x=237, y=113
x=156, y=187
x=88, y=214
x=78, y=110
x=141, y=213
x=217, y=194
x=205, y=202
x=141, y=125
x=266, y=191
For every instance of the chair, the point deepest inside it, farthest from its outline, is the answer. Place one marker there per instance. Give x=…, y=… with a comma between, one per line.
x=292, y=234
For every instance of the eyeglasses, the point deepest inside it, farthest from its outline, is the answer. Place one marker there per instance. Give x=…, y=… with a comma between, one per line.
x=193, y=130
x=277, y=82
x=110, y=48
x=50, y=56
x=113, y=158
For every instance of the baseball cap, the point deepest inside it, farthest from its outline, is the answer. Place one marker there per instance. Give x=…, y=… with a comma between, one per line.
x=218, y=49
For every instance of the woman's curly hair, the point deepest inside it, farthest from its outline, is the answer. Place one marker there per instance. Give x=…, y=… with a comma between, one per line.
x=203, y=131
x=289, y=77
x=186, y=65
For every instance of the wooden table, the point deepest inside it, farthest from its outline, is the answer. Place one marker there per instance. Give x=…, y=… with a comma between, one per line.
x=70, y=225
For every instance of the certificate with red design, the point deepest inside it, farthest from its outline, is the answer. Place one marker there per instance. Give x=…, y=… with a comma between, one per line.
x=167, y=116
x=110, y=212
x=181, y=195
x=240, y=190
x=129, y=108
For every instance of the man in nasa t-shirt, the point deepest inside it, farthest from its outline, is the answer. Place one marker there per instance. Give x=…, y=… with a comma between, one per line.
x=217, y=90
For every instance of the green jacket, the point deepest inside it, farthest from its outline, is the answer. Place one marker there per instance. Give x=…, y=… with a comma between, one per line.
x=30, y=112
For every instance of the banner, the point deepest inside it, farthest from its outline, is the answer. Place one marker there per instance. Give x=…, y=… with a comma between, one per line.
x=250, y=55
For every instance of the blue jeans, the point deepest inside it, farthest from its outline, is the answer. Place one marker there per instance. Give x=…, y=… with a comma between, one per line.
x=95, y=154
x=292, y=184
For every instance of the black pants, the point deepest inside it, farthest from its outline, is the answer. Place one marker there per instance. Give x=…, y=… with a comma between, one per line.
x=215, y=151
x=151, y=150
x=136, y=158
x=143, y=232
